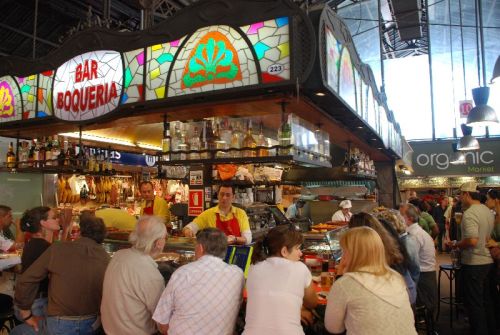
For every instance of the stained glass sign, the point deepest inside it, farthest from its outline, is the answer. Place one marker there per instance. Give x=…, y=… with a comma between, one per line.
x=332, y=59
x=10, y=100
x=88, y=86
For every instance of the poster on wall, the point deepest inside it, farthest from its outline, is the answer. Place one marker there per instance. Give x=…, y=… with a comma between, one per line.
x=195, y=202
x=196, y=177
x=88, y=86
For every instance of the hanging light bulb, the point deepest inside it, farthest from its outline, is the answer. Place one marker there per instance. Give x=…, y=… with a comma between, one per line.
x=467, y=142
x=457, y=157
x=482, y=114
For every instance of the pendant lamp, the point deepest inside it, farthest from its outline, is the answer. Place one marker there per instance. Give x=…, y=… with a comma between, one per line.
x=482, y=114
x=467, y=142
x=496, y=71
x=457, y=157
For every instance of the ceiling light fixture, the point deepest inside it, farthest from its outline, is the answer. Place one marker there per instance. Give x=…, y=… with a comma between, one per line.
x=496, y=71
x=457, y=157
x=320, y=94
x=482, y=114
x=467, y=142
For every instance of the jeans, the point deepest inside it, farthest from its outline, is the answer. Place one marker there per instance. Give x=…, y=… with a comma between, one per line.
x=54, y=325
x=477, y=298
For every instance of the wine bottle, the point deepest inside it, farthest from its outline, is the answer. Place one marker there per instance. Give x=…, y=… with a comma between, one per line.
x=166, y=142
x=262, y=142
x=249, y=141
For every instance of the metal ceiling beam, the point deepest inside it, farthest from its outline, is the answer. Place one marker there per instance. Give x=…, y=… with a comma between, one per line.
x=20, y=32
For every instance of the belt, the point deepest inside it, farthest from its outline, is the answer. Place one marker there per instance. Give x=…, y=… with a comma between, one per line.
x=77, y=317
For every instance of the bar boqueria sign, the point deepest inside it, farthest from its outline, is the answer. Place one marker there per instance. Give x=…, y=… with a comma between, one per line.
x=433, y=159
x=96, y=83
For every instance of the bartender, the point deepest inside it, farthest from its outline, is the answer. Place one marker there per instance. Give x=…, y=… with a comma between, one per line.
x=294, y=211
x=344, y=213
x=152, y=204
x=233, y=221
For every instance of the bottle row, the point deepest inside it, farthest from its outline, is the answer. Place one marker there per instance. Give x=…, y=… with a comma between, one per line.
x=48, y=152
x=358, y=163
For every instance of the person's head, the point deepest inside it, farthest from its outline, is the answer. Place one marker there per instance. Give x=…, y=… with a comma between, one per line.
x=363, y=250
x=444, y=202
x=147, y=190
x=395, y=219
x=38, y=218
x=5, y=216
x=393, y=254
x=469, y=193
x=300, y=203
x=492, y=199
x=345, y=206
x=149, y=235
x=210, y=241
x=413, y=194
x=411, y=215
x=93, y=228
x=225, y=196
x=282, y=241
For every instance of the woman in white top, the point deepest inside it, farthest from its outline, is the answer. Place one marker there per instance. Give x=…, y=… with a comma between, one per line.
x=370, y=298
x=278, y=285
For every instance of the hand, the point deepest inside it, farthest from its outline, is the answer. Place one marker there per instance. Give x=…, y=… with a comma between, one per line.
x=231, y=239
x=33, y=322
x=187, y=232
x=306, y=316
x=491, y=243
x=452, y=244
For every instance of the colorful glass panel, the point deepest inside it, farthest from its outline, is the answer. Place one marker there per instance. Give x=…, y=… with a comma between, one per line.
x=270, y=40
x=332, y=59
x=88, y=85
x=44, y=94
x=28, y=94
x=160, y=58
x=133, y=76
x=10, y=100
x=359, y=90
x=214, y=58
x=347, y=84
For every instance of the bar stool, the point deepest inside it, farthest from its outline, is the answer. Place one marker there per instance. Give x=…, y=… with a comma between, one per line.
x=451, y=272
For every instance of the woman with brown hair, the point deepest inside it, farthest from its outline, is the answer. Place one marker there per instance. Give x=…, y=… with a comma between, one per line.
x=394, y=255
x=369, y=291
x=278, y=285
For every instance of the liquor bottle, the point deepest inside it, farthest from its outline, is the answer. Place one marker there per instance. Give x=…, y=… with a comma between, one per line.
x=195, y=144
x=41, y=154
x=345, y=163
x=11, y=157
x=220, y=144
x=23, y=154
x=56, y=150
x=92, y=162
x=166, y=142
x=285, y=138
x=210, y=138
x=31, y=154
x=48, y=151
x=176, y=140
x=249, y=141
x=262, y=142
x=183, y=145
x=235, y=141
x=72, y=153
x=36, y=153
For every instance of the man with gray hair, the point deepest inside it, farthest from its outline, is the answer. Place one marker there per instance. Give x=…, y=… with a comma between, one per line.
x=202, y=297
x=132, y=283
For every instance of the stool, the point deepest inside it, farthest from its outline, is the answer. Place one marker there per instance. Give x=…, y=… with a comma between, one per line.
x=450, y=271
x=7, y=321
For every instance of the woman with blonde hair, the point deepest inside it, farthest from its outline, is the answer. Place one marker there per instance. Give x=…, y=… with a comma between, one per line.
x=369, y=290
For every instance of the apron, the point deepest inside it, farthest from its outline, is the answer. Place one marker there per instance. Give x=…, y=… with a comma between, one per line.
x=148, y=210
x=229, y=227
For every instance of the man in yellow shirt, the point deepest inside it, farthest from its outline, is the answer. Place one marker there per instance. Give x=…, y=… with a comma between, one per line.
x=151, y=204
x=233, y=221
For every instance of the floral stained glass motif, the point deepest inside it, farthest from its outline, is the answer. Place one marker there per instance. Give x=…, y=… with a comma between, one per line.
x=10, y=100
x=347, y=84
x=332, y=59
x=214, y=58
x=160, y=58
x=133, y=76
x=28, y=94
x=270, y=40
x=44, y=93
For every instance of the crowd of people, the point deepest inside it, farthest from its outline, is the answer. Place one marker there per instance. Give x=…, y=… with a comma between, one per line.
x=388, y=267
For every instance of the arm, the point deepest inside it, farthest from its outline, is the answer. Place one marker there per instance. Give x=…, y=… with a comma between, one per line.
x=434, y=230
x=470, y=236
x=336, y=308
x=166, y=305
x=310, y=298
x=190, y=230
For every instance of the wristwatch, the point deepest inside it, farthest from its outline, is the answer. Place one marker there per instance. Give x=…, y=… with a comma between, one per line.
x=235, y=240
